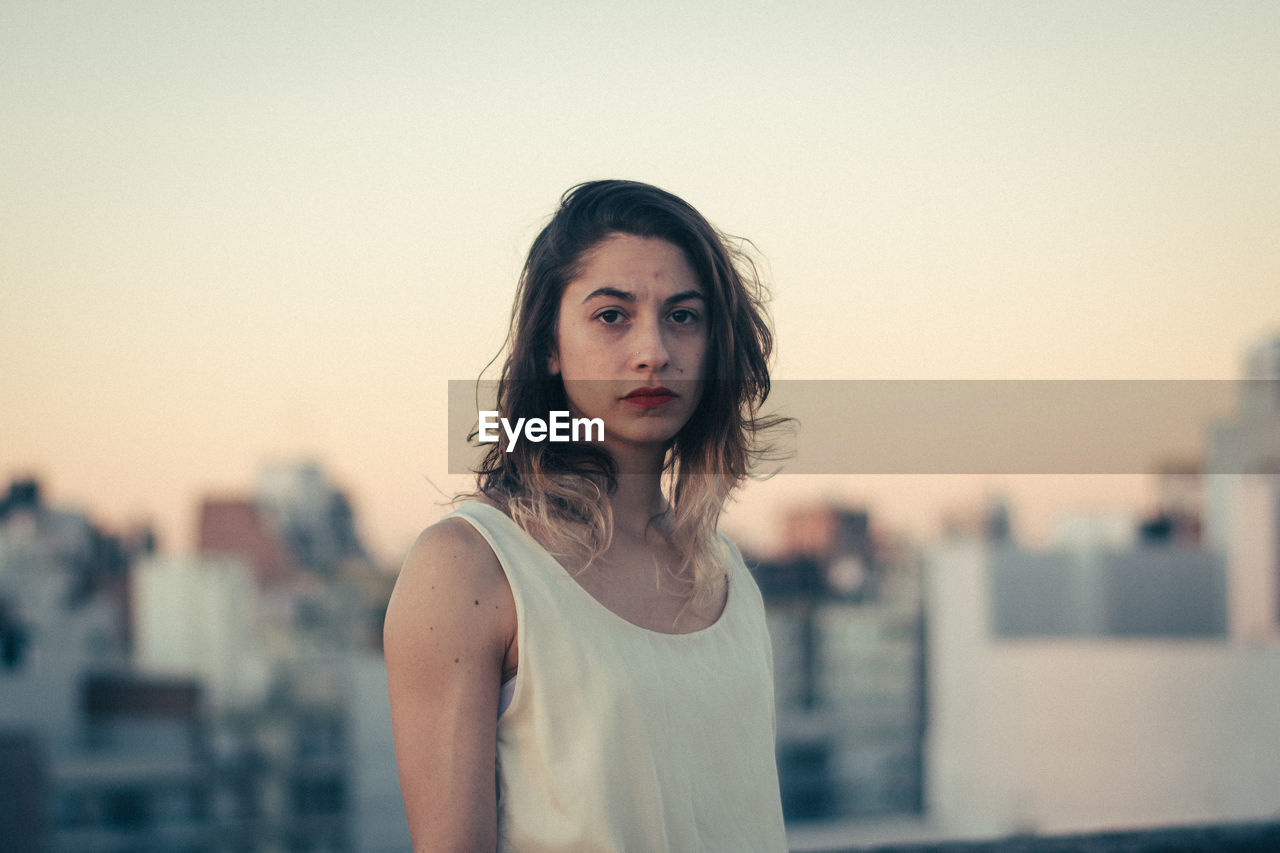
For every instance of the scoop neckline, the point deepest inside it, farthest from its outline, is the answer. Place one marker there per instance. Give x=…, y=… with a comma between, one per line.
x=565, y=574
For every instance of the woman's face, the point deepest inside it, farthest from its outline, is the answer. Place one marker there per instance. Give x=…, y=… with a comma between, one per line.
x=631, y=340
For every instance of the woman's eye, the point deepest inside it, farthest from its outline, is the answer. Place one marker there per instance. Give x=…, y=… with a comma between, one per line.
x=684, y=316
x=610, y=316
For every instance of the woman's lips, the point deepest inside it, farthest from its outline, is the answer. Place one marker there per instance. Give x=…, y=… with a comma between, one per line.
x=648, y=398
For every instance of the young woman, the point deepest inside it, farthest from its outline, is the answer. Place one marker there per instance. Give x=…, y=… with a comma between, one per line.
x=577, y=660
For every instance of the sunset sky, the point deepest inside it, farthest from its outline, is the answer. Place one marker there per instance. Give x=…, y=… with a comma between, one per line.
x=237, y=232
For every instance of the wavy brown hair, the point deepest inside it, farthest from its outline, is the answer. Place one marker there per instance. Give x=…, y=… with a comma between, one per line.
x=558, y=491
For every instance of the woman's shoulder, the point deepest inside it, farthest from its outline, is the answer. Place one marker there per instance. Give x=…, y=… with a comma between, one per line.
x=449, y=571
x=453, y=546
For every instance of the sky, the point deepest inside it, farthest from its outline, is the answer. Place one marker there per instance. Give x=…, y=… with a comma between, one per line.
x=239, y=232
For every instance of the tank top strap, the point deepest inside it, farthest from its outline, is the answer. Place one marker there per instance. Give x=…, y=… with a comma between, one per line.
x=535, y=576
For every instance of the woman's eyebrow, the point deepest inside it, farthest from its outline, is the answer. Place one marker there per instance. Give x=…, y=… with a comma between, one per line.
x=628, y=296
x=683, y=295
x=612, y=293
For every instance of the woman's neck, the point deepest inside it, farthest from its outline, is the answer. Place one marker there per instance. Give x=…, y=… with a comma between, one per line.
x=638, y=498
x=635, y=503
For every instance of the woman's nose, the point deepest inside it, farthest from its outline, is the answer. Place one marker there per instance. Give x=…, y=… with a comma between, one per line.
x=650, y=348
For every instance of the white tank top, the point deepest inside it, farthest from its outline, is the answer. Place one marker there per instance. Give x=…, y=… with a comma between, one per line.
x=619, y=738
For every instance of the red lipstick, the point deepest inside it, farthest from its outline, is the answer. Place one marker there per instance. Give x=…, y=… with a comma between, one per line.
x=650, y=396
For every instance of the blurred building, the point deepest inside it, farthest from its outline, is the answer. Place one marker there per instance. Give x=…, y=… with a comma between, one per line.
x=63, y=610
x=1153, y=590
x=229, y=700
x=309, y=515
x=198, y=617
x=844, y=613
x=157, y=770
x=237, y=528
x=1241, y=502
x=1107, y=683
x=62, y=614
x=296, y=534
x=279, y=576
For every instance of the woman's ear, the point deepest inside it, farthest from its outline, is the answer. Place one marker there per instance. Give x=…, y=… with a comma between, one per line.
x=553, y=363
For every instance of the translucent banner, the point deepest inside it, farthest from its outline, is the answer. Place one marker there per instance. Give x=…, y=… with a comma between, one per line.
x=953, y=426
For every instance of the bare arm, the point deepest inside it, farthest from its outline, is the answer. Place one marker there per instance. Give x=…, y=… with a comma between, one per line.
x=449, y=625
